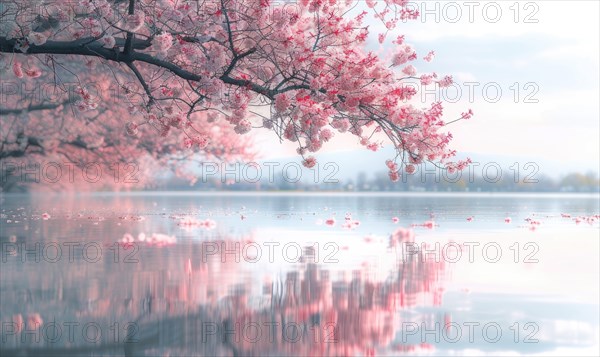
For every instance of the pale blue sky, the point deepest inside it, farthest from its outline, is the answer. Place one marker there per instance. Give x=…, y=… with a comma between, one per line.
x=558, y=55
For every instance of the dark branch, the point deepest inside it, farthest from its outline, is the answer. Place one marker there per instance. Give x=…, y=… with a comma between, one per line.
x=29, y=141
x=140, y=78
x=30, y=108
x=130, y=35
x=93, y=48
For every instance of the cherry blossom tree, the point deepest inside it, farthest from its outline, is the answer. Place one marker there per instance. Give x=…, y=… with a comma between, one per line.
x=159, y=78
x=92, y=148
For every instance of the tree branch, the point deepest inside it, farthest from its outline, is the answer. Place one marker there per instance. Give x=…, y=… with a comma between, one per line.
x=96, y=49
x=142, y=81
x=130, y=35
x=30, y=141
x=30, y=108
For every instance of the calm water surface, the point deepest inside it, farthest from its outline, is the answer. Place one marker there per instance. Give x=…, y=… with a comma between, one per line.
x=180, y=274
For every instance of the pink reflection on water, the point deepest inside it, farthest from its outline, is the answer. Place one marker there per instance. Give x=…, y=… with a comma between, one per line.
x=156, y=239
x=189, y=223
x=360, y=310
x=426, y=224
x=174, y=285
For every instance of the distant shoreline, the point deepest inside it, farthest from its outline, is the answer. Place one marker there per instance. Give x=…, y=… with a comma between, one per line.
x=316, y=194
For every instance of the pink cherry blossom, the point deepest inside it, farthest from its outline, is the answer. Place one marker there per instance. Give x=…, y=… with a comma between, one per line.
x=467, y=115
x=282, y=103
x=429, y=57
x=445, y=82
x=163, y=42
x=309, y=162
x=108, y=41
x=191, y=82
x=243, y=127
x=326, y=135
x=202, y=141
x=403, y=55
x=134, y=22
x=17, y=69
x=391, y=165
x=37, y=38
x=409, y=70
x=33, y=72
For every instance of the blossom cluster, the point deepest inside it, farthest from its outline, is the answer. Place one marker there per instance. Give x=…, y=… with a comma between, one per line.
x=203, y=67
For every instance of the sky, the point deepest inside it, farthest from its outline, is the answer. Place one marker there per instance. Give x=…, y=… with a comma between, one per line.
x=543, y=56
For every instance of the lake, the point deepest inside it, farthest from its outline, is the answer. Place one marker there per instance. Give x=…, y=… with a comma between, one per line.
x=298, y=274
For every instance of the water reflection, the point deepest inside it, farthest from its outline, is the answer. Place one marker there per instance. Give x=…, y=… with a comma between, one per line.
x=160, y=304
x=138, y=278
